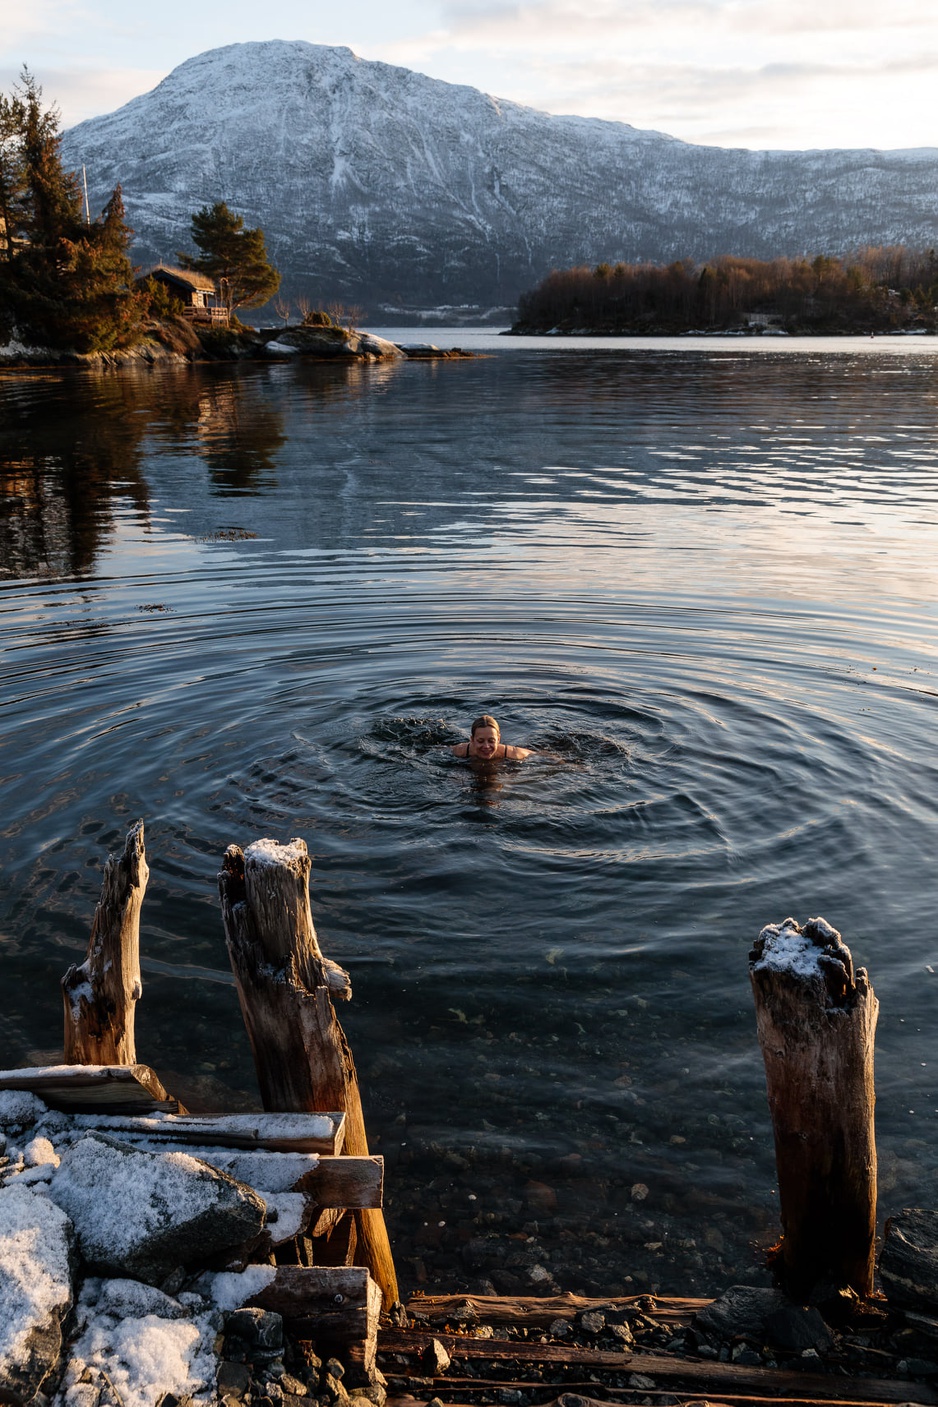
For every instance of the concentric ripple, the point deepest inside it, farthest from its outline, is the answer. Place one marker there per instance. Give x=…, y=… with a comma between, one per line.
x=700, y=586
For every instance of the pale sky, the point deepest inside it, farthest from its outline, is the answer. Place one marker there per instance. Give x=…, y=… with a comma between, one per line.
x=754, y=73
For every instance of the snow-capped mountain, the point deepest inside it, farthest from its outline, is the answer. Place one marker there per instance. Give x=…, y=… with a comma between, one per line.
x=379, y=186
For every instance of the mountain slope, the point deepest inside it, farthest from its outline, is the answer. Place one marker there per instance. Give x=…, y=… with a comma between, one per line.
x=376, y=185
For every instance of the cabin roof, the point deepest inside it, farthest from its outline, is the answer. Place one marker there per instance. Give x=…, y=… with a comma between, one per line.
x=189, y=278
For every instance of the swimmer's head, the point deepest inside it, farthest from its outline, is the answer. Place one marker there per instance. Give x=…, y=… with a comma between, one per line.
x=485, y=736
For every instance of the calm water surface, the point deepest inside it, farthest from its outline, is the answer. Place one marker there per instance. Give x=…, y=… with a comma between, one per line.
x=260, y=601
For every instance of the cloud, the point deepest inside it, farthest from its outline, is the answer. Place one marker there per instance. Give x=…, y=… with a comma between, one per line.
x=731, y=72
x=79, y=93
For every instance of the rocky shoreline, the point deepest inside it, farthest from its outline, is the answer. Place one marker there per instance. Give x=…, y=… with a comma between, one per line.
x=137, y=1274
x=177, y=342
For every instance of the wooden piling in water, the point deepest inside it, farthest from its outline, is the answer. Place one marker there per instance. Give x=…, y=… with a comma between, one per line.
x=816, y=1021
x=101, y=994
x=286, y=987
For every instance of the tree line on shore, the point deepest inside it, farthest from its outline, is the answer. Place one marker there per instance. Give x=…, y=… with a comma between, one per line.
x=66, y=280
x=874, y=290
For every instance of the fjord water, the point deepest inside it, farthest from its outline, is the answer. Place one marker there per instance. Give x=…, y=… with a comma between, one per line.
x=261, y=600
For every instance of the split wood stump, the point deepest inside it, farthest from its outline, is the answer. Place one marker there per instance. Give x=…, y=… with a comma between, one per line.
x=816, y=1021
x=286, y=987
x=101, y=994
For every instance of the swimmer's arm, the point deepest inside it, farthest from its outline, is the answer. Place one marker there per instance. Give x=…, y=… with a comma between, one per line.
x=518, y=754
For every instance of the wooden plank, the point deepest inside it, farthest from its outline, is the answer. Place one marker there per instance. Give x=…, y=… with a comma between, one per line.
x=485, y=1387
x=279, y=1133
x=541, y=1311
x=333, y=1305
x=352, y=1183
x=333, y=1293
x=95, y=1089
x=398, y=1399
x=705, y=1375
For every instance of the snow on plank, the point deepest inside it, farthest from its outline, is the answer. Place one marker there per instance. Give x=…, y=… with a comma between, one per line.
x=94, y=1089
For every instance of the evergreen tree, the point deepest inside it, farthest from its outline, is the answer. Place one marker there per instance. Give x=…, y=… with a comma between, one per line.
x=63, y=283
x=105, y=310
x=12, y=184
x=234, y=257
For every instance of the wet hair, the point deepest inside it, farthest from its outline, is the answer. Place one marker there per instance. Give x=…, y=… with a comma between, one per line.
x=485, y=720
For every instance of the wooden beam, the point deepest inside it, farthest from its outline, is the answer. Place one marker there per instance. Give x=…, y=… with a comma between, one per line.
x=353, y=1183
x=101, y=994
x=321, y=1133
x=541, y=1311
x=334, y=1305
x=704, y=1376
x=95, y=1089
x=619, y=1394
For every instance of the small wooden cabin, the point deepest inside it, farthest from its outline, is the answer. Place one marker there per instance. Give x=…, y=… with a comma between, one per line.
x=196, y=293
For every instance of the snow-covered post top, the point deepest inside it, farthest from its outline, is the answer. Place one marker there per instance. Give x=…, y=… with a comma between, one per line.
x=268, y=884
x=816, y=1020
x=813, y=954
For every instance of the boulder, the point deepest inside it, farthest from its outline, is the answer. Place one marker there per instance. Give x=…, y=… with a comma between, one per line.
x=281, y=351
x=136, y=1346
x=908, y=1263
x=162, y=1210
x=795, y=1327
x=742, y=1310
x=372, y=346
x=35, y=1290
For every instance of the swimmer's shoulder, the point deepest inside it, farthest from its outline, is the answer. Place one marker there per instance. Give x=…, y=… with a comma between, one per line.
x=518, y=754
x=460, y=749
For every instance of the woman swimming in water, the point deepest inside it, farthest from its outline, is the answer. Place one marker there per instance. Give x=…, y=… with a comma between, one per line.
x=485, y=744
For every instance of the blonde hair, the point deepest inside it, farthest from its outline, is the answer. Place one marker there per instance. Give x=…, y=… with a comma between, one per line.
x=485, y=720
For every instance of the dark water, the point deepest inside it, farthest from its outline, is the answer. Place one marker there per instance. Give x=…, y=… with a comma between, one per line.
x=260, y=601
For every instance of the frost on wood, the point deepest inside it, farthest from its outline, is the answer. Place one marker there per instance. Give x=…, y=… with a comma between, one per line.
x=812, y=953
x=305, y=1133
x=162, y=1209
x=35, y=1289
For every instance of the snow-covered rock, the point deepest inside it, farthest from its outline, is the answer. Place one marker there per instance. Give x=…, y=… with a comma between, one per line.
x=35, y=1289
x=278, y=351
x=141, y=1344
x=379, y=186
x=19, y=1110
x=142, y=1214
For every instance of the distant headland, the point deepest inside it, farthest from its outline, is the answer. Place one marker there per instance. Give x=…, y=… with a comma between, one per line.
x=877, y=290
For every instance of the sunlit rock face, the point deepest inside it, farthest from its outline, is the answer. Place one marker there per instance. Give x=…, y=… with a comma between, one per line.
x=379, y=186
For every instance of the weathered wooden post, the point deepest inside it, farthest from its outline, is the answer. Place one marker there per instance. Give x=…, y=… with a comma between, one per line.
x=101, y=994
x=816, y=1021
x=286, y=987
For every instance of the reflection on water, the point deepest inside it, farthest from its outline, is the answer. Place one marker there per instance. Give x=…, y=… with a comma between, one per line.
x=245, y=601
